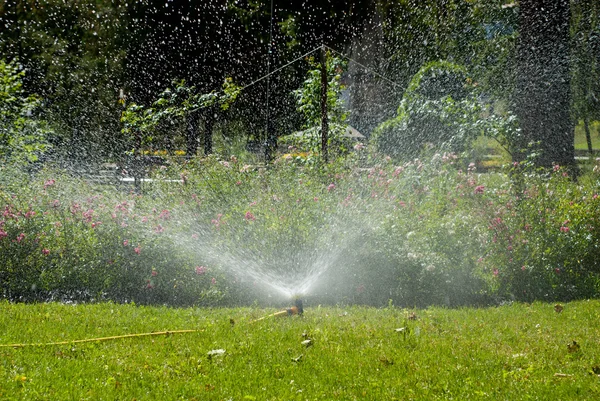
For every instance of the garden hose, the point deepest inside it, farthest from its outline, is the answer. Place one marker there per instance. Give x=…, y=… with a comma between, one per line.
x=297, y=309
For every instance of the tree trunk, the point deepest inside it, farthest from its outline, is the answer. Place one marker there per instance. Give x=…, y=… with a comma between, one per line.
x=192, y=135
x=208, y=128
x=543, y=93
x=588, y=135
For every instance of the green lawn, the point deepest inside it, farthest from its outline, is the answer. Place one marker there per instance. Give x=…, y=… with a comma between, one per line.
x=514, y=352
x=581, y=141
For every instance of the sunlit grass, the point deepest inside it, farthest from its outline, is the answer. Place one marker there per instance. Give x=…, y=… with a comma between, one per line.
x=580, y=139
x=511, y=352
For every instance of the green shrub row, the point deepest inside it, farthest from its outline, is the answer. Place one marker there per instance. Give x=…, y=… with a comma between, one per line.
x=429, y=231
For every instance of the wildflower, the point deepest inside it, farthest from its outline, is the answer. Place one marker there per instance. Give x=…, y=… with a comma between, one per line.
x=564, y=229
x=479, y=189
x=238, y=183
x=398, y=171
x=88, y=215
x=200, y=270
x=46, y=251
x=96, y=224
x=224, y=164
x=165, y=215
x=495, y=272
x=20, y=237
x=137, y=250
x=249, y=216
x=55, y=203
x=213, y=281
x=523, y=268
x=555, y=168
x=3, y=234
x=330, y=187
x=159, y=229
x=194, y=236
x=49, y=183
x=359, y=146
x=126, y=242
x=154, y=273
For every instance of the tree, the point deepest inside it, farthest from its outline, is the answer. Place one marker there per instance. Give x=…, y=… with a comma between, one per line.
x=585, y=30
x=23, y=136
x=542, y=98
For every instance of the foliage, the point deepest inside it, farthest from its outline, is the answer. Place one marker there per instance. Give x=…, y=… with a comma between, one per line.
x=428, y=231
x=23, y=136
x=543, y=235
x=438, y=107
x=511, y=352
x=441, y=108
x=140, y=123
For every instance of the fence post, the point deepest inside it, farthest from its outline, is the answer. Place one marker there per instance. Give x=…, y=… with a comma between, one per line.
x=324, y=121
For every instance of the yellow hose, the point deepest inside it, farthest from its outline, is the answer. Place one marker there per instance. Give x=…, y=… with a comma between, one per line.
x=155, y=333
x=87, y=340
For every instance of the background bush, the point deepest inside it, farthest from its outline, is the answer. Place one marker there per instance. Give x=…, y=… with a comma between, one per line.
x=430, y=231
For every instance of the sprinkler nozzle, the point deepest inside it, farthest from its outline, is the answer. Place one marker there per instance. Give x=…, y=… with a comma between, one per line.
x=297, y=309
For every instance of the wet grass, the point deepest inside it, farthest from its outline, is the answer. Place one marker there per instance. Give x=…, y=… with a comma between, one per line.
x=512, y=352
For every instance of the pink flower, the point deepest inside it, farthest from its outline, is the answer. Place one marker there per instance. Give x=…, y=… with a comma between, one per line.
x=165, y=215
x=20, y=237
x=330, y=187
x=200, y=270
x=564, y=229
x=495, y=272
x=3, y=234
x=137, y=250
x=154, y=273
x=159, y=229
x=55, y=203
x=249, y=216
x=88, y=215
x=359, y=146
x=194, y=236
x=29, y=214
x=523, y=268
x=555, y=168
x=213, y=281
x=479, y=189
x=126, y=242
x=46, y=251
x=557, y=270
x=49, y=183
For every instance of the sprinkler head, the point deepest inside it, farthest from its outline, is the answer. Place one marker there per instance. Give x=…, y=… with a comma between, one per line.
x=299, y=306
x=297, y=309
